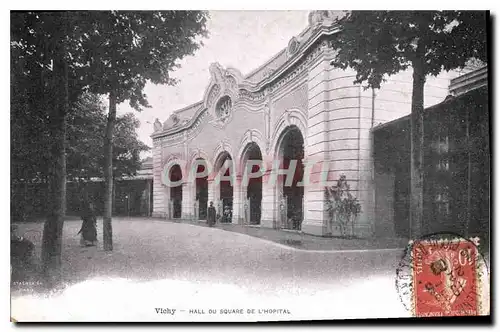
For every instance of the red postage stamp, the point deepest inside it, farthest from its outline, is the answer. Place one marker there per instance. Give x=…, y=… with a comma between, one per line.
x=446, y=278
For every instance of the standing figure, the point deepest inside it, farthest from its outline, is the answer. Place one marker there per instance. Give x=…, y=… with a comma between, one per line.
x=88, y=231
x=227, y=214
x=211, y=215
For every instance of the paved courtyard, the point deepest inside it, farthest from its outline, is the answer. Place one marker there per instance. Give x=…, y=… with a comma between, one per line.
x=157, y=263
x=308, y=242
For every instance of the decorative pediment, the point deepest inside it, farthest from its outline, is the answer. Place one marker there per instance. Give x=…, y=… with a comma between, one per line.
x=222, y=93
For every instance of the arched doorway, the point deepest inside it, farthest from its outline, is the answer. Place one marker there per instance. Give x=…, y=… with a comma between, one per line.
x=176, y=192
x=253, y=191
x=292, y=197
x=225, y=202
x=202, y=189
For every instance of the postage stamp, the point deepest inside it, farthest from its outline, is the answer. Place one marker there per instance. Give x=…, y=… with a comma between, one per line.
x=444, y=275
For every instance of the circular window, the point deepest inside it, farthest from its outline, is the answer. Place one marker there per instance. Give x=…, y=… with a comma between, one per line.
x=223, y=108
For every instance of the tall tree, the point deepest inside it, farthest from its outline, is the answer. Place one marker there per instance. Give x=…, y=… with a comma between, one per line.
x=377, y=44
x=43, y=51
x=127, y=49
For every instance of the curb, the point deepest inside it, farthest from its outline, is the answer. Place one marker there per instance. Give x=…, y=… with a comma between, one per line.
x=290, y=248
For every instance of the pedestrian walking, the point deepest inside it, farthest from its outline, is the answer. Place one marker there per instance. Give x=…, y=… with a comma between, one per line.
x=88, y=231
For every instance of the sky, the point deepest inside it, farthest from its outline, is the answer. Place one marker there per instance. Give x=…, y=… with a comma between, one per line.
x=240, y=39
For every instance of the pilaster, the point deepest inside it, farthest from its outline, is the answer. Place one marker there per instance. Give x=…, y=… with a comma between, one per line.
x=268, y=215
x=187, y=202
x=316, y=149
x=237, y=201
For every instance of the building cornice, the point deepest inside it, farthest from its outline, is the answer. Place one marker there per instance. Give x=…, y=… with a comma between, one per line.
x=470, y=81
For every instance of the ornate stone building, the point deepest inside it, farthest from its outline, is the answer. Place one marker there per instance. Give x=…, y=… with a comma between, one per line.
x=296, y=106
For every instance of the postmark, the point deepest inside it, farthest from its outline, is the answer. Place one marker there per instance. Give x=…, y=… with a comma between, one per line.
x=443, y=275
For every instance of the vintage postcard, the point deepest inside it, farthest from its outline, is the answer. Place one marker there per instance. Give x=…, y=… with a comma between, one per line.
x=249, y=166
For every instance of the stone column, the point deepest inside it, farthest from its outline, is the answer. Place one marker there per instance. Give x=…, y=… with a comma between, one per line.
x=238, y=196
x=168, y=211
x=211, y=192
x=196, y=210
x=187, y=204
x=268, y=205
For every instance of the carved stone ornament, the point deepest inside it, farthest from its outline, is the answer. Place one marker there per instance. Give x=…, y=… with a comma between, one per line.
x=222, y=94
x=293, y=46
x=157, y=125
x=216, y=71
x=214, y=92
x=327, y=17
x=172, y=121
x=268, y=72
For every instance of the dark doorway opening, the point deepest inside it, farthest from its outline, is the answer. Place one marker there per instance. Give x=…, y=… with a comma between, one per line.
x=176, y=192
x=293, y=149
x=254, y=188
x=226, y=192
x=202, y=191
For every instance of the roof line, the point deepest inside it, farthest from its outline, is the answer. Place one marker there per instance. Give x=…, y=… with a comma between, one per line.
x=265, y=63
x=390, y=123
x=188, y=107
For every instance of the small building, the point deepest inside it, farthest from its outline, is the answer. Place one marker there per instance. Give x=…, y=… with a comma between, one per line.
x=133, y=196
x=456, y=183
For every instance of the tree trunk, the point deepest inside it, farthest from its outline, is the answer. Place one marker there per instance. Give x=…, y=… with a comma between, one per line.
x=53, y=227
x=113, y=198
x=107, y=230
x=417, y=149
x=352, y=219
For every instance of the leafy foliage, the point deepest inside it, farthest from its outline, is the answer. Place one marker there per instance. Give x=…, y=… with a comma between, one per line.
x=86, y=125
x=106, y=50
x=342, y=206
x=127, y=147
x=126, y=49
x=380, y=43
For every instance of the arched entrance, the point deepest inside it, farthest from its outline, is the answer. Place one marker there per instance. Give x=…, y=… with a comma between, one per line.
x=224, y=205
x=201, y=189
x=253, y=192
x=291, y=197
x=175, y=192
